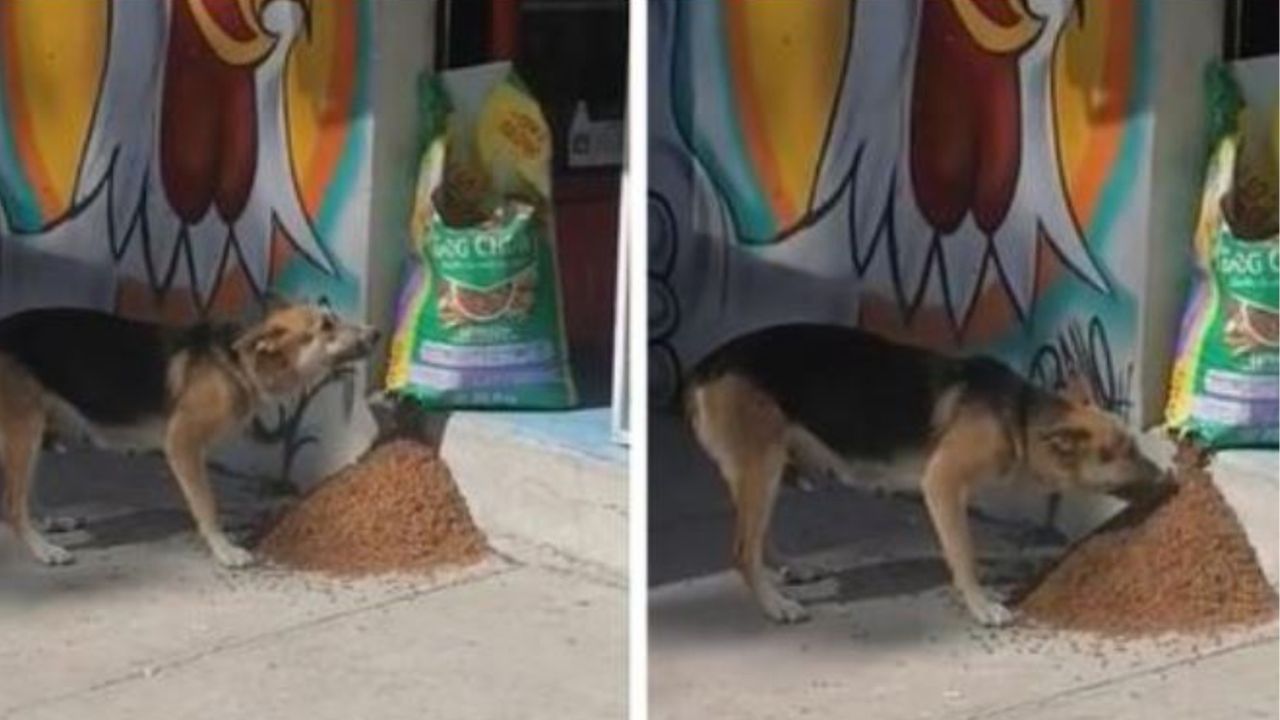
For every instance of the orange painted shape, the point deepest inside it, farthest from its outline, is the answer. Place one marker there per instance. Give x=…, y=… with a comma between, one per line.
x=334, y=25
x=750, y=112
x=20, y=121
x=1093, y=78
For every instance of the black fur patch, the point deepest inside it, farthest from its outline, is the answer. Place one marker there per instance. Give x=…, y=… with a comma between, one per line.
x=112, y=370
x=862, y=395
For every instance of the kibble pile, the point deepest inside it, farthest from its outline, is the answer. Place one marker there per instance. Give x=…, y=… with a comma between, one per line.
x=396, y=510
x=1180, y=565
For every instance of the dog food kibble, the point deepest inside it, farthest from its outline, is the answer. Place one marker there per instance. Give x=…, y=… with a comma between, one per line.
x=397, y=509
x=1179, y=565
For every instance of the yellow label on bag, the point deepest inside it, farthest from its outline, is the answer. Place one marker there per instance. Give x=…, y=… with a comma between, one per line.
x=513, y=140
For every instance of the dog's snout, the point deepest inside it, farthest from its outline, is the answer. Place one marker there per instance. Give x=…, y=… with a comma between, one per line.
x=1146, y=481
x=369, y=338
x=1142, y=491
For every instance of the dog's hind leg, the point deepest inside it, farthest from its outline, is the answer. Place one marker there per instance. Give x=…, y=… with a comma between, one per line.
x=22, y=422
x=807, y=457
x=745, y=433
x=757, y=481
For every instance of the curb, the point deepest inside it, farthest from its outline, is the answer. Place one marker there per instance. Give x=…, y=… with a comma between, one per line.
x=539, y=492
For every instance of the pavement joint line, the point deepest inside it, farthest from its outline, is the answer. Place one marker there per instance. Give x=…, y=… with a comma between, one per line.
x=567, y=565
x=254, y=640
x=1041, y=702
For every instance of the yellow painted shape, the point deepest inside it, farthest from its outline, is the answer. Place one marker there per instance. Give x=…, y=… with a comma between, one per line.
x=991, y=35
x=1079, y=96
x=230, y=49
x=307, y=92
x=60, y=46
x=795, y=53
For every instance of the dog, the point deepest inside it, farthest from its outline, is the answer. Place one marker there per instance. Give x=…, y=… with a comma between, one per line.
x=139, y=386
x=843, y=403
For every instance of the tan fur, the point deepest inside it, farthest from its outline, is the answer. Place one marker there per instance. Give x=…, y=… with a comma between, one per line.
x=211, y=396
x=751, y=441
x=745, y=432
x=206, y=407
x=23, y=417
x=1077, y=449
x=973, y=447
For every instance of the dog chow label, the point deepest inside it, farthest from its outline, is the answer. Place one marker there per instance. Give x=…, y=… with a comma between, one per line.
x=479, y=323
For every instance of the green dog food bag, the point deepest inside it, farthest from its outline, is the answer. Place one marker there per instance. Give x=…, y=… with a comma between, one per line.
x=1225, y=387
x=480, y=321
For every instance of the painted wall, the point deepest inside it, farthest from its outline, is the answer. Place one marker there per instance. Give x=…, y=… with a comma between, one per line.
x=963, y=174
x=176, y=159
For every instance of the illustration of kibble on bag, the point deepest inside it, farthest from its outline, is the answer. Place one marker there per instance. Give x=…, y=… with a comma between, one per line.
x=480, y=321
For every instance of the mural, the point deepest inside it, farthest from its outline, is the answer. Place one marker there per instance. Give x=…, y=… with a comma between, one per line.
x=176, y=159
x=956, y=173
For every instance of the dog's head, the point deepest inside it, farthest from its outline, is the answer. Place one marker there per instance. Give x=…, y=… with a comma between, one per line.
x=1075, y=444
x=297, y=344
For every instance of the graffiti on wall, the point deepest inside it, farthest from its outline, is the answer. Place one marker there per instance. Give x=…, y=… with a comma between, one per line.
x=957, y=173
x=178, y=159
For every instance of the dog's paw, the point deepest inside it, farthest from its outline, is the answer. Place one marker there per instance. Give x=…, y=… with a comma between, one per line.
x=231, y=556
x=51, y=554
x=782, y=609
x=988, y=611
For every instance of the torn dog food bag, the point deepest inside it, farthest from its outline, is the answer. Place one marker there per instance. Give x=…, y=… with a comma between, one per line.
x=1225, y=387
x=480, y=322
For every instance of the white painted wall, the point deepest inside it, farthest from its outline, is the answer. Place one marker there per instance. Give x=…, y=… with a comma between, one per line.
x=1189, y=37
x=404, y=47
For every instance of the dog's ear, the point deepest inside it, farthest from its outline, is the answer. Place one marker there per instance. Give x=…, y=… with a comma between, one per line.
x=261, y=341
x=1078, y=390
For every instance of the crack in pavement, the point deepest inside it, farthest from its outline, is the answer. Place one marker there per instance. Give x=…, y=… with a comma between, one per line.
x=545, y=556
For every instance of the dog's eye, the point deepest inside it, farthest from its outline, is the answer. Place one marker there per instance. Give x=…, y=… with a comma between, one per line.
x=327, y=324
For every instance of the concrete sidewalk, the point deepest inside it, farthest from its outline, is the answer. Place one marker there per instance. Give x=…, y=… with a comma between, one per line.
x=888, y=641
x=144, y=625
x=917, y=656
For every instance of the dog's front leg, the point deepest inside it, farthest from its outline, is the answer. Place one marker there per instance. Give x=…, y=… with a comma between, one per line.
x=953, y=469
x=185, y=446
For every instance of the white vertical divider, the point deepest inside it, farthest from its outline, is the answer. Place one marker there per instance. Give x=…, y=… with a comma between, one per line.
x=620, y=405
x=635, y=249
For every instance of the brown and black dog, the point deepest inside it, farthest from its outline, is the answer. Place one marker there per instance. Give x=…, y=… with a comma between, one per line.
x=135, y=385
x=847, y=404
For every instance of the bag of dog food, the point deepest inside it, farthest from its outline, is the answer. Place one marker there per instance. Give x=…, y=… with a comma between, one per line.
x=1225, y=388
x=479, y=322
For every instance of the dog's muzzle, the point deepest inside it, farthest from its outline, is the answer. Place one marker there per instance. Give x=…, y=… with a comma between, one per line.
x=1151, y=484
x=362, y=347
